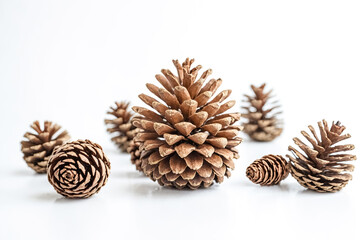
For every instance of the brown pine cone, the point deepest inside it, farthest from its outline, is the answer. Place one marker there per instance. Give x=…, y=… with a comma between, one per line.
x=261, y=126
x=120, y=125
x=39, y=146
x=78, y=169
x=321, y=167
x=134, y=151
x=268, y=170
x=190, y=142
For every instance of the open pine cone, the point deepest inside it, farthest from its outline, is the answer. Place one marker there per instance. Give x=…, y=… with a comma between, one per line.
x=262, y=124
x=39, y=146
x=134, y=152
x=321, y=167
x=120, y=125
x=78, y=169
x=268, y=170
x=190, y=142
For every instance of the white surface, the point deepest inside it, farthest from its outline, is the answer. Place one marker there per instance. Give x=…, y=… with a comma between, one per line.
x=67, y=61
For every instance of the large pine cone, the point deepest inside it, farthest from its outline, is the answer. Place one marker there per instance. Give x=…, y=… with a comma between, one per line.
x=39, y=146
x=120, y=125
x=268, y=170
x=78, y=169
x=321, y=168
x=262, y=124
x=189, y=143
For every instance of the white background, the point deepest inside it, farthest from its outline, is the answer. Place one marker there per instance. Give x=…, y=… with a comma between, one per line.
x=68, y=61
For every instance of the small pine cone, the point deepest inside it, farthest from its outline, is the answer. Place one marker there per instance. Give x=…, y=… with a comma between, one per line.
x=321, y=168
x=121, y=125
x=190, y=142
x=261, y=126
x=39, y=146
x=268, y=170
x=78, y=169
x=134, y=151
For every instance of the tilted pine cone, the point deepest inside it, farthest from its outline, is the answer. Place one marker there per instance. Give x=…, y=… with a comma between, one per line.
x=320, y=167
x=39, y=146
x=262, y=124
x=189, y=143
x=78, y=169
x=121, y=126
x=268, y=170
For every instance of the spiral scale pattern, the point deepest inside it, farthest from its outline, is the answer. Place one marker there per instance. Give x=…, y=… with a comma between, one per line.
x=78, y=169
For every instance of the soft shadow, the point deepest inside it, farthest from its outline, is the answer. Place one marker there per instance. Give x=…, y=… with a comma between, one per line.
x=56, y=198
x=282, y=187
x=153, y=189
x=64, y=200
x=308, y=192
x=46, y=196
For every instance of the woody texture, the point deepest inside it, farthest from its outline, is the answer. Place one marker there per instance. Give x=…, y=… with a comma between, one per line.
x=78, y=169
x=262, y=123
x=40, y=143
x=322, y=166
x=187, y=140
x=134, y=152
x=268, y=170
x=119, y=125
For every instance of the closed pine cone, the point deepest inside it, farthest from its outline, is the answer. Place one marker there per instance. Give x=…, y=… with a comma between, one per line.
x=39, y=146
x=320, y=167
x=268, y=170
x=120, y=125
x=190, y=142
x=78, y=169
x=262, y=124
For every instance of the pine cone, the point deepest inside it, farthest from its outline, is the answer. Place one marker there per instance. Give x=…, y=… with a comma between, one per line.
x=121, y=125
x=134, y=151
x=320, y=168
x=39, y=146
x=268, y=170
x=261, y=126
x=190, y=143
x=78, y=169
